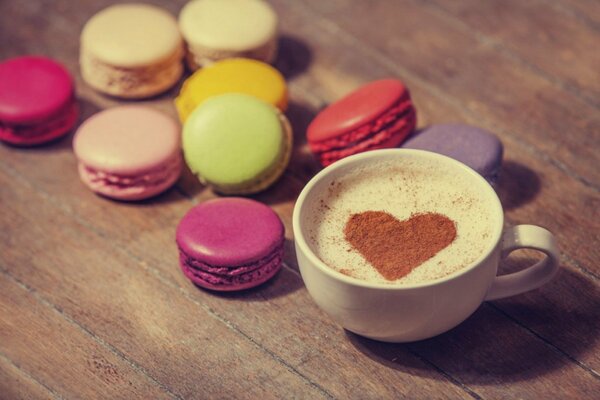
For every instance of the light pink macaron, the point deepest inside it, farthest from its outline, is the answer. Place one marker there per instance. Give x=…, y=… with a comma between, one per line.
x=129, y=152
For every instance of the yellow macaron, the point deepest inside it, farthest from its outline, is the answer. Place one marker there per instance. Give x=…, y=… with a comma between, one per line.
x=235, y=75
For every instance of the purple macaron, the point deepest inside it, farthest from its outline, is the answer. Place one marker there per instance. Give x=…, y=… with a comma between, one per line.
x=230, y=244
x=475, y=147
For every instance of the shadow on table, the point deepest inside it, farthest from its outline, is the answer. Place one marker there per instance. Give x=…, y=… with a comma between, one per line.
x=518, y=185
x=282, y=284
x=303, y=164
x=293, y=56
x=496, y=345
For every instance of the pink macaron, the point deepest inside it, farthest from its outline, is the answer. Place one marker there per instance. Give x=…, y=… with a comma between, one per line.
x=230, y=244
x=37, y=101
x=129, y=152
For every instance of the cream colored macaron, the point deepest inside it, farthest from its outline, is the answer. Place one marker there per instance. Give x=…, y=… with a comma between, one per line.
x=219, y=29
x=131, y=51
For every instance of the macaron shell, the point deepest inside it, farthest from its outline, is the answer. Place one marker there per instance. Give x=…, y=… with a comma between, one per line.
x=128, y=140
x=229, y=232
x=356, y=109
x=234, y=139
x=131, y=35
x=475, y=147
x=221, y=284
x=238, y=75
x=32, y=89
x=121, y=188
x=228, y=24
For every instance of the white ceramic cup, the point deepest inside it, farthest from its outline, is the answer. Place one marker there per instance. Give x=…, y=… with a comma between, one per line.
x=414, y=312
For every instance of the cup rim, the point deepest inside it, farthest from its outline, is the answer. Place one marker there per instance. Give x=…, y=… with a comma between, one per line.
x=375, y=154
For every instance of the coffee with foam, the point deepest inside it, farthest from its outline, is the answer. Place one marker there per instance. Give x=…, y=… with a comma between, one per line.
x=403, y=187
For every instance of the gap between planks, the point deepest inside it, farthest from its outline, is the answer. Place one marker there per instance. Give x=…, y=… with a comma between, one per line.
x=26, y=373
x=136, y=367
x=576, y=15
x=557, y=350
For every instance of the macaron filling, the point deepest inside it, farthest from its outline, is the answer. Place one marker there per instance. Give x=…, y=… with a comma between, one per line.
x=221, y=277
x=130, y=184
x=40, y=131
x=132, y=81
x=392, y=126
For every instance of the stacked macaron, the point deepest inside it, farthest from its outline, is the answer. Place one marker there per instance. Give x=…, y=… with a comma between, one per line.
x=218, y=29
x=128, y=152
x=236, y=138
x=131, y=51
x=230, y=244
x=376, y=116
x=37, y=101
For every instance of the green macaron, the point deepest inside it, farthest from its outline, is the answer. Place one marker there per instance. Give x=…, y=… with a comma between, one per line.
x=236, y=143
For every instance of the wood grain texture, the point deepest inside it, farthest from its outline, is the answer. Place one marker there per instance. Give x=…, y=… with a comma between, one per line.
x=101, y=277
x=17, y=384
x=538, y=37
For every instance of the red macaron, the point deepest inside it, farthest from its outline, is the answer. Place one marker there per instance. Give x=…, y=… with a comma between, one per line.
x=37, y=101
x=376, y=116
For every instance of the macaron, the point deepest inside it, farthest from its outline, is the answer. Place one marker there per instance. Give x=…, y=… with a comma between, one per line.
x=235, y=75
x=230, y=244
x=236, y=143
x=475, y=147
x=131, y=51
x=128, y=152
x=37, y=101
x=218, y=29
x=376, y=116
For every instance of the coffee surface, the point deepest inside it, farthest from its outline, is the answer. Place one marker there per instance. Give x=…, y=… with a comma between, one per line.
x=400, y=222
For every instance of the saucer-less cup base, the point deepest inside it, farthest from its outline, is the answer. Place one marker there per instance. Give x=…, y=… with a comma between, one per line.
x=409, y=313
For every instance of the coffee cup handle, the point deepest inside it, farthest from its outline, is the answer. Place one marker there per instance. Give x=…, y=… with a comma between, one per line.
x=526, y=237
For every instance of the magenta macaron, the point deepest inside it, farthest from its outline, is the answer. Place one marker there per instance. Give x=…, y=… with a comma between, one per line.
x=37, y=101
x=375, y=116
x=129, y=152
x=230, y=244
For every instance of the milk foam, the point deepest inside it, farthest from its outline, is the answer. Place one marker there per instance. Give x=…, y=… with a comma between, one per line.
x=402, y=188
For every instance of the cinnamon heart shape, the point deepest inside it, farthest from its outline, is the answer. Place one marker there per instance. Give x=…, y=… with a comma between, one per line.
x=395, y=247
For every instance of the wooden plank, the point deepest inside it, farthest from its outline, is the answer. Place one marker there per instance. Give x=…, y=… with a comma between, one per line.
x=192, y=351
x=537, y=192
x=280, y=317
x=566, y=312
x=522, y=369
x=16, y=384
x=558, y=48
x=452, y=65
x=54, y=351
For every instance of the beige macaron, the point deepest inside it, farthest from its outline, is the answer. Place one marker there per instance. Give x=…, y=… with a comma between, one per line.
x=219, y=29
x=131, y=51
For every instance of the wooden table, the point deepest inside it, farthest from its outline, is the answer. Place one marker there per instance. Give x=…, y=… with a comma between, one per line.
x=92, y=301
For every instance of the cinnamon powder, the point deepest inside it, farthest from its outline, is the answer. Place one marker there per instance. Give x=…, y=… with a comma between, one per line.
x=395, y=247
